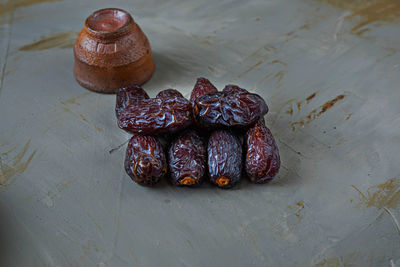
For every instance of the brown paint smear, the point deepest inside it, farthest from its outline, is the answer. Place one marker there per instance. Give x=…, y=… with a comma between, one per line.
x=64, y=40
x=299, y=103
x=368, y=11
x=341, y=261
x=74, y=99
x=382, y=195
x=10, y=5
x=315, y=113
x=297, y=210
x=10, y=169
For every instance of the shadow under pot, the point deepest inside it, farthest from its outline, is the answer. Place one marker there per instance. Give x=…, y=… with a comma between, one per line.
x=111, y=51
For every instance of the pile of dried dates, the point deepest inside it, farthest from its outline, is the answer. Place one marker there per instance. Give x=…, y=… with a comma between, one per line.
x=216, y=135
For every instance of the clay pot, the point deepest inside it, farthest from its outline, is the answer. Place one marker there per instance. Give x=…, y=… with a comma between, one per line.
x=111, y=51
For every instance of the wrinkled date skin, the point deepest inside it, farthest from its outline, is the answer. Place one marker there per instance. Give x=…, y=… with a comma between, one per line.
x=156, y=115
x=187, y=159
x=234, y=89
x=227, y=109
x=128, y=95
x=262, y=161
x=168, y=93
x=224, y=158
x=202, y=86
x=145, y=160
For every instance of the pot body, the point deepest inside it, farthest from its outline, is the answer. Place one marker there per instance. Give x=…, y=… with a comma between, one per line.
x=111, y=51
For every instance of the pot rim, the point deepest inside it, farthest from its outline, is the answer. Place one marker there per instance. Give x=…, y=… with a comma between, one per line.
x=105, y=34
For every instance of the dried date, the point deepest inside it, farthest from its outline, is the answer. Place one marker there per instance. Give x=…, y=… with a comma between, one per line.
x=128, y=95
x=226, y=109
x=168, y=93
x=145, y=160
x=224, y=158
x=156, y=115
x=187, y=159
x=202, y=86
x=234, y=89
x=262, y=161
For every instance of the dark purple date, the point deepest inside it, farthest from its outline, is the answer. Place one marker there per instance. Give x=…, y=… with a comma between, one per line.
x=262, y=161
x=168, y=93
x=202, y=86
x=145, y=160
x=128, y=95
x=234, y=89
x=226, y=109
x=187, y=159
x=224, y=158
x=156, y=115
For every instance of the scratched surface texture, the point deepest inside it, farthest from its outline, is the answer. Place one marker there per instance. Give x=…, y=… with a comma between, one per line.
x=329, y=71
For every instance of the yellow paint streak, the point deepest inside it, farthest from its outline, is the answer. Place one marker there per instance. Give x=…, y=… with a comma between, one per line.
x=64, y=40
x=330, y=262
x=190, y=243
x=279, y=75
x=360, y=32
x=289, y=111
x=382, y=195
x=133, y=256
x=10, y=5
x=340, y=261
x=315, y=113
x=95, y=223
x=11, y=169
x=74, y=99
x=83, y=118
x=310, y=97
x=277, y=61
x=59, y=188
x=270, y=47
x=365, y=12
x=251, y=239
x=205, y=42
x=300, y=204
x=299, y=105
x=305, y=27
x=250, y=69
x=297, y=210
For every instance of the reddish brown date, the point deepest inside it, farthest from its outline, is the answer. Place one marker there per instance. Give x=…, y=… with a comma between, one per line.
x=224, y=158
x=202, y=86
x=262, y=159
x=145, y=160
x=226, y=109
x=128, y=95
x=156, y=115
x=234, y=89
x=168, y=93
x=187, y=159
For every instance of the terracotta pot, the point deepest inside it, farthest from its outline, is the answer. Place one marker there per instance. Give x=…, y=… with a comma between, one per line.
x=111, y=51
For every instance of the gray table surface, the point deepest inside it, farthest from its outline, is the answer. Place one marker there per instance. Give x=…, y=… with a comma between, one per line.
x=66, y=201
